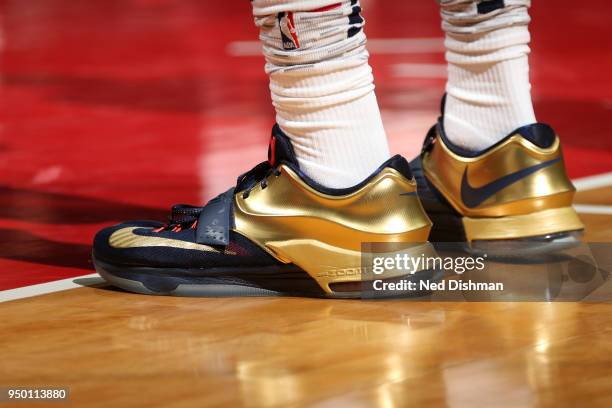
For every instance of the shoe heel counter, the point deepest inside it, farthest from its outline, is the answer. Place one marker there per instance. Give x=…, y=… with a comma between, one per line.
x=399, y=209
x=546, y=188
x=561, y=190
x=516, y=177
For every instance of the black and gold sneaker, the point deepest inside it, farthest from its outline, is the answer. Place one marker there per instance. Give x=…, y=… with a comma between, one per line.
x=514, y=198
x=276, y=232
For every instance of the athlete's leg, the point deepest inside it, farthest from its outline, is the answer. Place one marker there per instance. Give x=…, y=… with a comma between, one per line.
x=518, y=191
x=276, y=231
x=322, y=86
x=488, y=89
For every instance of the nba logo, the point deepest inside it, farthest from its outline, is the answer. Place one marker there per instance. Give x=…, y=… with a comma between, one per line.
x=288, y=32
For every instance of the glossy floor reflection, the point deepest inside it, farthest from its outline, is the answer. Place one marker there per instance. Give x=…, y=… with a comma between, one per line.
x=285, y=352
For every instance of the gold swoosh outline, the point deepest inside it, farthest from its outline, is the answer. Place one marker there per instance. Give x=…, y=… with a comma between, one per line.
x=125, y=238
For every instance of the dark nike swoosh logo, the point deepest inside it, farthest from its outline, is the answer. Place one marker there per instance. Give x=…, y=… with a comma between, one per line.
x=473, y=197
x=412, y=193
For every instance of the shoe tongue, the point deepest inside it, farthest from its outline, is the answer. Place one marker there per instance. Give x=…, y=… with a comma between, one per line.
x=280, y=148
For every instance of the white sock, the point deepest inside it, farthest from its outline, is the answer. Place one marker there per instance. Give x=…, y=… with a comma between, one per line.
x=488, y=89
x=322, y=87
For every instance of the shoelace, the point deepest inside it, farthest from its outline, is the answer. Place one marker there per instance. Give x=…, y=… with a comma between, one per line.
x=184, y=216
x=259, y=174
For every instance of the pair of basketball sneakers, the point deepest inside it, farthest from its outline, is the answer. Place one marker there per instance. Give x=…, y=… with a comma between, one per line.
x=279, y=232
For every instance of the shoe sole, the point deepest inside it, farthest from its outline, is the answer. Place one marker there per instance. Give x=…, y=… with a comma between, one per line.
x=540, y=223
x=510, y=237
x=525, y=248
x=538, y=233
x=239, y=282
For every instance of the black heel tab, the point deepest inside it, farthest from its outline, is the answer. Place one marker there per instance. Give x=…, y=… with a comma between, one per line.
x=401, y=165
x=540, y=134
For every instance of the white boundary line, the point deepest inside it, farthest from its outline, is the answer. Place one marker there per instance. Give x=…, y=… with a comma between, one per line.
x=593, y=209
x=44, y=288
x=593, y=182
x=388, y=46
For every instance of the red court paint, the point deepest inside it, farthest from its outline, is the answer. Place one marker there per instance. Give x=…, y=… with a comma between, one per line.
x=110, y=107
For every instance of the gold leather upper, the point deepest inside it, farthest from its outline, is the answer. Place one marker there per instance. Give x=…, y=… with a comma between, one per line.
x=546, y=188
x=384, y=210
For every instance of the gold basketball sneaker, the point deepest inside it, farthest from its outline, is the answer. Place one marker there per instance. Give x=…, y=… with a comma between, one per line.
x=276, y=232
x=514, y=198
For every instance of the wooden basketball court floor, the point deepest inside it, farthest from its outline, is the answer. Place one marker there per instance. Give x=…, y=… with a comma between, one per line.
x=116, y=109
